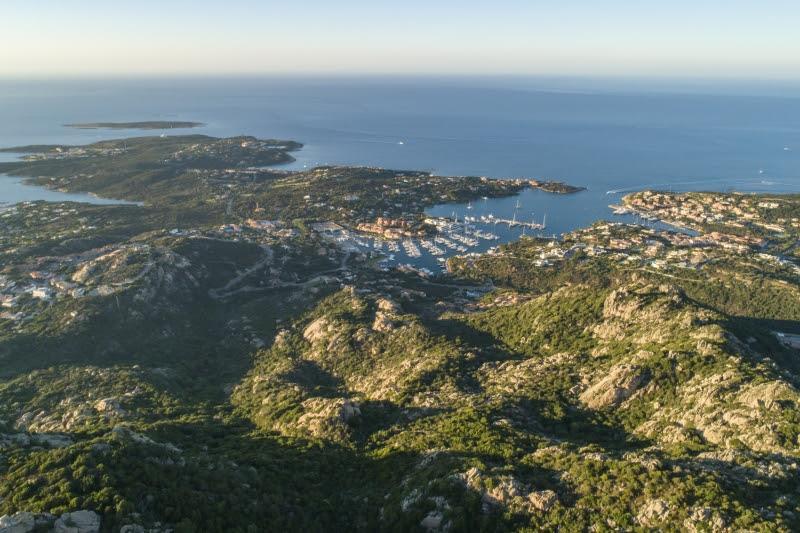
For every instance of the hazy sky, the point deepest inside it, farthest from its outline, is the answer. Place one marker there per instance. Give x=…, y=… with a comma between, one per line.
x=739, y=38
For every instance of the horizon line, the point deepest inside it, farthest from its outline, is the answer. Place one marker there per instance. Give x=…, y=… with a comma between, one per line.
x=326, y=74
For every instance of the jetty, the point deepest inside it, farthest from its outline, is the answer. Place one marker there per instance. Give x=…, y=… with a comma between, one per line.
x=514, y=223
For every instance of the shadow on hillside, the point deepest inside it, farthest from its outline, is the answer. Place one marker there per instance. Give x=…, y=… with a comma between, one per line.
x=760, y=335
x=483, y=345
x=385, y=416
x=304, y=485
x=314, y=379
x=560, y=420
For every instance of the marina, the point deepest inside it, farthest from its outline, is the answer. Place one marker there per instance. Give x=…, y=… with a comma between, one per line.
x=481, y=226
x=450, y=236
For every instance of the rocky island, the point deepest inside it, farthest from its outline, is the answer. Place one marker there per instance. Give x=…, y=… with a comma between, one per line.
x=218, y=358
x=145, y=125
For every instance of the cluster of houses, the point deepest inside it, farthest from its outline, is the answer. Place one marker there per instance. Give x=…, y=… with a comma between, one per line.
x=16, y=295
x=736, y=211
x=253, y=227
x=645, y=247
x=240, y=147
x=67, y=152
x=392, y=228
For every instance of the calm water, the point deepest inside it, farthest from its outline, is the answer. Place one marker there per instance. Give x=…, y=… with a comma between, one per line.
x=12, y=190
x=600, y=135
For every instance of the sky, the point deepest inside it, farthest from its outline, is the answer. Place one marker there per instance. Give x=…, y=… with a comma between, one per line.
x=746, y=39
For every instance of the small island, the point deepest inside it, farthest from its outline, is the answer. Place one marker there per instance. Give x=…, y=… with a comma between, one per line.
x=145, y=125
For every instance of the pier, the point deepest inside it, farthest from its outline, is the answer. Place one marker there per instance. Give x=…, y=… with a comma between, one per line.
x=514, y=223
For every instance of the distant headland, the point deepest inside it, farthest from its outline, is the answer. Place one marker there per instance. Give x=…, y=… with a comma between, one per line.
x=145, y=125
x=555, y=187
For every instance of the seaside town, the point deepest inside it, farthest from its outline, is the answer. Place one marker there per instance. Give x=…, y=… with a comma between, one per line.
x=736, y=218
x=638, y=246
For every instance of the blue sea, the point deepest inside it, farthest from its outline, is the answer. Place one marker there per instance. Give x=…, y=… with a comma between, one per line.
x=611, y=136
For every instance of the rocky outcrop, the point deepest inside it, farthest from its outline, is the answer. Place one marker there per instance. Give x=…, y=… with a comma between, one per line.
x=724, y=410
x=319, y=417
x=78, y=522
x=383, y=322
x=653, y=513
x=621, y=382
x=504, y=492
x=386, y=316
x=317, y=330
x=641, y=313
x=704, y=519
x=543, y=500
x=109, y=407
x=89, y=396
x=507, y=492
x=51, y=440
x=125, y=434
x=388, y=306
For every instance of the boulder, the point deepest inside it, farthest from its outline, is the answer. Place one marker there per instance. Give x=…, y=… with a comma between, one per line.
x=78, y=522
x=22, y=522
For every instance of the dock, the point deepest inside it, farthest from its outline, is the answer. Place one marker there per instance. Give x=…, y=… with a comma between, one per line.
x=514, y=223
